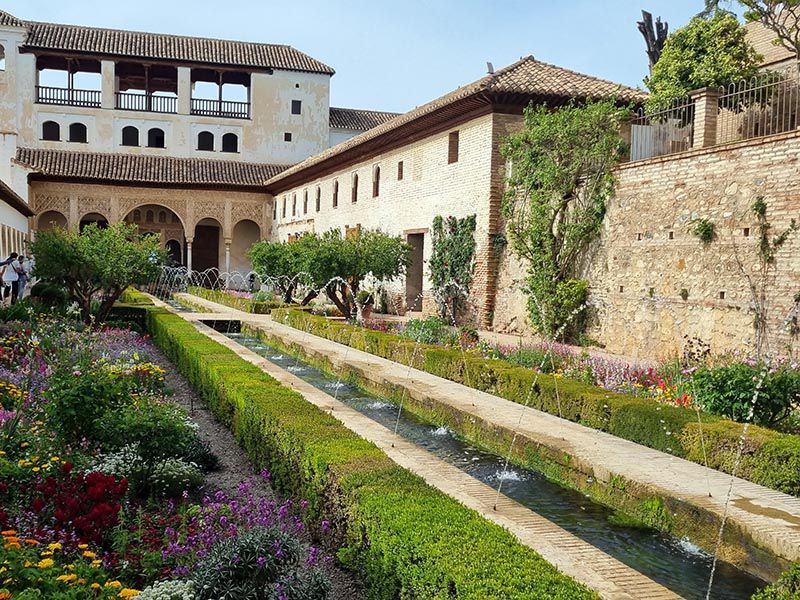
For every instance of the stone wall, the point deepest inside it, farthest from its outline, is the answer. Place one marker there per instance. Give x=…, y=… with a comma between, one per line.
x=647, y=259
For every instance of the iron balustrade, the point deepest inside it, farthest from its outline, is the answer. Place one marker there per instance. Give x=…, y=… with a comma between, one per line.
x=663, y=132
x=220, y=108
x=68, y=96
x=147, y=102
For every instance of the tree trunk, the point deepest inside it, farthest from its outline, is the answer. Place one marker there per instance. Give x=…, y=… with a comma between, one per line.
x=330, y=291
x=309, y=297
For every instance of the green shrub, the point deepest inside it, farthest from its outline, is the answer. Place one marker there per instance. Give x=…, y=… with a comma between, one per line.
x=663, y=427
x=433, y=330
x=729, y=391
x=786, y=588
x=260, y=303
x=49, y=294
x=406, y=538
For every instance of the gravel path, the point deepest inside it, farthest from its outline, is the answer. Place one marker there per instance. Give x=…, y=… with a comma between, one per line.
x=235, y=466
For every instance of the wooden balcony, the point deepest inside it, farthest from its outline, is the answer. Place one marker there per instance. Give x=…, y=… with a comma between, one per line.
x=146, y=103
x=68, y=96
x=220, y=108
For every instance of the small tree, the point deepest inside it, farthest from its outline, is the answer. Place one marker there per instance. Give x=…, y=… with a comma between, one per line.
x=97, y=263
x=339, y=265
x=709, y=51
x=555, y=202
x=285, y=264
x=451, y=264
x=782, y=17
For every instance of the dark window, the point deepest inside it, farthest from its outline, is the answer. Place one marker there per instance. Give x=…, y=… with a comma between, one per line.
x=376, y=182
x=335, y=194
x=155, y=138
x=297, y=107
x=77, y=133
x=205, y=141
x=746, y=232
x=672, y=235
x=148, y=217
x=400, y=170
x=305, y=202
x=722, y=295
x=319, y=197
x=452, y=147
x=283, y=212
x=137, y=215
x=130, y=136
x=287, y=137
x=230, y=142
x=354, y=189
x=274, y=210
x=294, y=204
x=162, y=216
x=51, y=131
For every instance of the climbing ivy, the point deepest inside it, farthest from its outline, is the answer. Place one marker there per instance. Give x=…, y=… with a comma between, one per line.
x=452, y=262
x=559, y=181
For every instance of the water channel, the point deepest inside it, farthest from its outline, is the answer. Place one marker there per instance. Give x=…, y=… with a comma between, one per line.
x=676, y=564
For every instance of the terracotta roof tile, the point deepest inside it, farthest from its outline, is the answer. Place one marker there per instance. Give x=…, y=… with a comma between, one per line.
x=145, y=169
x=528, y=78
x=9, y=20
x=360, y=120
x=115, y=42
x=762, y=39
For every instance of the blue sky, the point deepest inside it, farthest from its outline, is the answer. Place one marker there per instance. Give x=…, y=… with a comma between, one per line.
x=396, y=55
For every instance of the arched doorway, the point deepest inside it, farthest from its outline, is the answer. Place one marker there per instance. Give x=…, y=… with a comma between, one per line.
x=206, y=245
x=97, y=218
x=51, y=219
x=245, y=234
x=154, y=218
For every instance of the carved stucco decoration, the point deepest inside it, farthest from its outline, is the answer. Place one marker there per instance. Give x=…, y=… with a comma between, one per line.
x=43, y=203
x=208, y=209
x=176, y=205
x=88, y=204
x=247, y=210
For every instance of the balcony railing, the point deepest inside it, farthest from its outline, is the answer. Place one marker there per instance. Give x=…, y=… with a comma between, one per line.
x=146, y=102
x=220, y=108
x=68, y=96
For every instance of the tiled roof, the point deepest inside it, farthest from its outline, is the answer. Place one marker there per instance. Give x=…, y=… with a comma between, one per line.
x=9, y=20
x=360, y=120
x=145, y=169
x=14, y=200
x=527, y=80
x=762, y=40
x=159, y=46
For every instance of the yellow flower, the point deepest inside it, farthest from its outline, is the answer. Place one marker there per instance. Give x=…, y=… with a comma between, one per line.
x=83, y=546
x=45, y=563
x=128, y=593
x=2, y=452
x=54, y=546
x=97, y=563
x=67, y=578
x=88, y=554
x=114, y=584
x=55, y=458
x=36, y=469
x=95, y=586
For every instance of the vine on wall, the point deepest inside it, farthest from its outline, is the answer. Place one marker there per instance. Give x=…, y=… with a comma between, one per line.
x=452, y=263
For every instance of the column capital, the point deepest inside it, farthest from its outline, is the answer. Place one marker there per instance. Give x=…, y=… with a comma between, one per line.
x=228, y=241
x=189, y=240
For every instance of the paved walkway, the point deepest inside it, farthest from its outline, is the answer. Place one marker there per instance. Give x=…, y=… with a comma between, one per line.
x=769, y=517
x=611, y=578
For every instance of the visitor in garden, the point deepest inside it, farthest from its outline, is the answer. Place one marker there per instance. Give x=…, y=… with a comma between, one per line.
x=11, y=270
x=24, y=275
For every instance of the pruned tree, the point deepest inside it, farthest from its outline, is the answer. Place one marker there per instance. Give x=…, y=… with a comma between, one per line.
x=555, y=202
x=452, y=262
x=284, y=265
x=781, y=17
x=96, y=264
x=655, y=36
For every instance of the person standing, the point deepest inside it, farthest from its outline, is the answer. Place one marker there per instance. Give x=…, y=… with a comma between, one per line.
x=24, y=274
x=11, y=278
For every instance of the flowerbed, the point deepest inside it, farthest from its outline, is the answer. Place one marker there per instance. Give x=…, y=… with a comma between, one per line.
x=258, y=303
x=408, y=539
x=769, y=458
x=101, y=482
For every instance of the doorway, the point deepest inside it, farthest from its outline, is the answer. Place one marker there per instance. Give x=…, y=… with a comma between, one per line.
x=415, y=272
x=205, y=250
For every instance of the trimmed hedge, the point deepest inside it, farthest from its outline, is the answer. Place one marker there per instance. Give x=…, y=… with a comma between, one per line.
x=406, y=538
x=243, y=304
x=770, y=458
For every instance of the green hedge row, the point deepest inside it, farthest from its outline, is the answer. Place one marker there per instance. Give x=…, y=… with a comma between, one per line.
x=770, y=458
x=243, y=304
x=407, y=539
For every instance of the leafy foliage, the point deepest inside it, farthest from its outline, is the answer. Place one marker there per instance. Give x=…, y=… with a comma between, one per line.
x=433, y=330
x=556, y=199
x=284, y=264
x=780, y=16
x=707, y=52
x=97, y=263
x=703, y=229
x=451, y=263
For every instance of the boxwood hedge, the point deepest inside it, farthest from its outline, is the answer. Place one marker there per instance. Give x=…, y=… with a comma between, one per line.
x=243, y=304
x=770, y=458
x=407, y=539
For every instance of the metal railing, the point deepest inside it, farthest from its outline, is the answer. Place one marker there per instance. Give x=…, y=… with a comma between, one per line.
x=664, y=132
x=220, y=108
x=767, y=104
x=146, y=102
x=68, y=96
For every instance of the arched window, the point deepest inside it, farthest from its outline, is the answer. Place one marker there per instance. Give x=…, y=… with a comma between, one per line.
x=354, y=189
x=305, y=202
x=283, y=211
x=51, y=131
x=155, y=138
x=77, y=133
x=2, y=58
x=162, y=216
x=137, y=215
x=335, y=193
x=148, y=216
x=174, y=218
x=319, y=197
x=230, y=142
x=205, y=141
x=294, y=204
x=376, y=181
x=130, y=136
